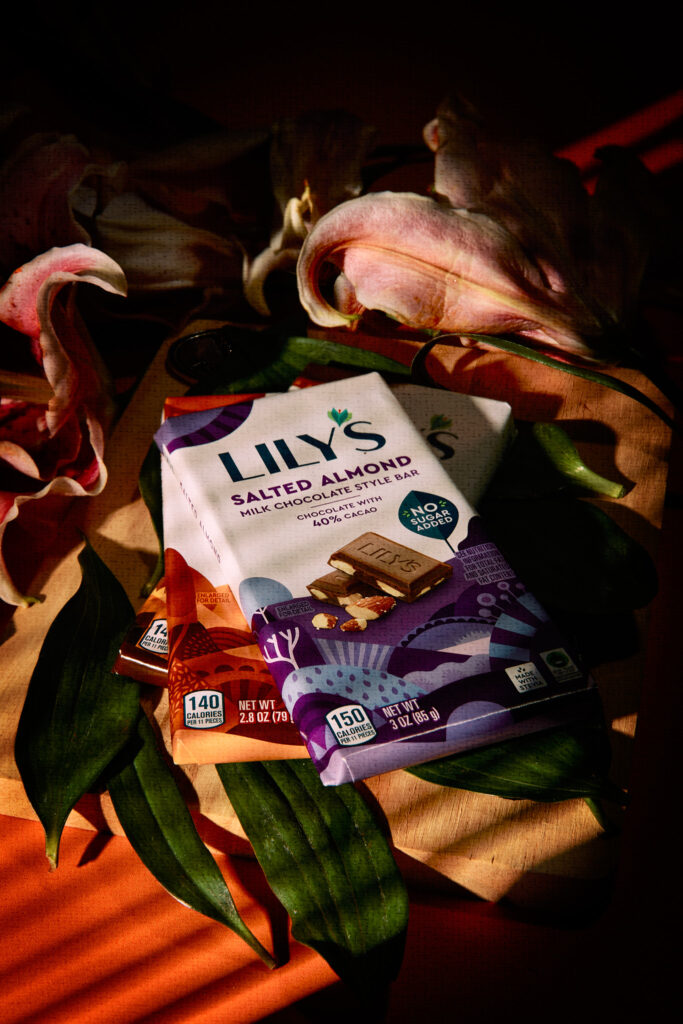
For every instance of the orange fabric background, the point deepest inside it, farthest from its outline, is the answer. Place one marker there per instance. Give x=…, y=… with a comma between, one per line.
x=99, y=940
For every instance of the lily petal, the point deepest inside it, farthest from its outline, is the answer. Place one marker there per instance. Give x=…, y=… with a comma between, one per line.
x=628, y=220
x=592, y=248
x=431, y=266
x=162, y=253
x=520, y=183
x=66, y=453
x=316, y=163
x=36, y=185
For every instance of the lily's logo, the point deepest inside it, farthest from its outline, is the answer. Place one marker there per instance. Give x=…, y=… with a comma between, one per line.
x=439, y=430
x=338, y=416
x=279, y=454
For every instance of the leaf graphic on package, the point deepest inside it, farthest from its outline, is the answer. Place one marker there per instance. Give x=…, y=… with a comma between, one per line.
x=429, y=515
x=339, y=416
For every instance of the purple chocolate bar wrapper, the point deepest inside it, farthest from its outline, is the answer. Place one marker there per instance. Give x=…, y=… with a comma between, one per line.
x=485, y=664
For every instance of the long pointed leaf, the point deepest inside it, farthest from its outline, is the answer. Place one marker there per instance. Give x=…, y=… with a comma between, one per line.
x=561, y=764
x=299, y=352
x=76, y=715
x=564, y=457
x=328, y=863
x=159, y=826
x=571, y=554
x=541, y=462
x=270, y=360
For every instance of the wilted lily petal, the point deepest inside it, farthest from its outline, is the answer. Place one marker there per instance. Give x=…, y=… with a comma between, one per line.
x=434, y=267
x=509, y=243
x=316, y=162
x=627, y=221
x=51, y=416
x=323, y=151
x=593, y=248
x=518, y=182
x=37, y=183
x=162, y=253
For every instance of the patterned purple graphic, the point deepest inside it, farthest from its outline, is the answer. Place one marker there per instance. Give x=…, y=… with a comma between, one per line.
x=202, y=427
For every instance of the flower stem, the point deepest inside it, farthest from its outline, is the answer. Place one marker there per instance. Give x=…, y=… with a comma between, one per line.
x=594, y=376
x=24, y=387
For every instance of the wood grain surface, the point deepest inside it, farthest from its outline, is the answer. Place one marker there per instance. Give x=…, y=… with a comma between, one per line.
x=494, y=848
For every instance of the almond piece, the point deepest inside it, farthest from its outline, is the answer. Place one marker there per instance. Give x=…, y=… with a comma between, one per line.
x=348, y=599
x=371, y=607
x=323, y=620
x=354, y=625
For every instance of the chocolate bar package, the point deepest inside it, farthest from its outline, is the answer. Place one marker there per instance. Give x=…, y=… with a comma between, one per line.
x=468, y=434
x=144, y=651
x=428, y=643
x=224, y=703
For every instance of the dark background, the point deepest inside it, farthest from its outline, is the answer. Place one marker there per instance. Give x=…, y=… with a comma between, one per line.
x=149, y=77
x=560, y=74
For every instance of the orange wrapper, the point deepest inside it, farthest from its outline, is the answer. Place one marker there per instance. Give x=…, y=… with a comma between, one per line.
x=224, y=703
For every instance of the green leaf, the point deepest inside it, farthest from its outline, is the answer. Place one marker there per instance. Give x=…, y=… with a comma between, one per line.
x=301, y=352
x=328, y=863
x=149, y=483
x=558, y=764
x=76, y=715
x=271, y=361
x=159, y=826
x=563, y=455
x=571, y=554
x=542, y=461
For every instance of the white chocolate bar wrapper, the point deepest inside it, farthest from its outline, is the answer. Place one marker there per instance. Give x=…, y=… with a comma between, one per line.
x=466, y=433
x=466, y=657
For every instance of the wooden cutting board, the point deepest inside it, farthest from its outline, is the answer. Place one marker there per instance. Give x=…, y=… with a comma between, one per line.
x=524, y=851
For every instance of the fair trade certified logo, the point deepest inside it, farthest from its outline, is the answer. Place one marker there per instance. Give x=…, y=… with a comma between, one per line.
x=561, y=665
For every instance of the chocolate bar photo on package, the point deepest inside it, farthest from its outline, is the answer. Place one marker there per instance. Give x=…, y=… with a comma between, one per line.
x=389, y=566
x=450, y=653
x=339, y=587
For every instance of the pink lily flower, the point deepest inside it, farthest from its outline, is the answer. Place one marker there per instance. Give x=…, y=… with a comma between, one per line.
x=509, y=242
x=53, y=407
